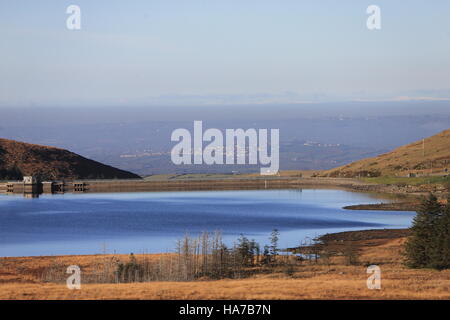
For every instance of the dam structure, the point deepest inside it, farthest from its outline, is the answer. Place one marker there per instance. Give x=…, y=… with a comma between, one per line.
x=31, y=185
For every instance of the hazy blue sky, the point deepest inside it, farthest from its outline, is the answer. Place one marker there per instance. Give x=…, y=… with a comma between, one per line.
x=229, y=51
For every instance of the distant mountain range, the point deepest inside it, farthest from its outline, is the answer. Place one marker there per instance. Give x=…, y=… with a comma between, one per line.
x=430, y=155
x=312, y=137
x=19, y=159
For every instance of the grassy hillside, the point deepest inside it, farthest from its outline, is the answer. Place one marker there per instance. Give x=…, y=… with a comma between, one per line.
x=428, y=156
x=19, y=159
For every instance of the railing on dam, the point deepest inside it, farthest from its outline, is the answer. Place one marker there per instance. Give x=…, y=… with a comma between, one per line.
x=138, y=185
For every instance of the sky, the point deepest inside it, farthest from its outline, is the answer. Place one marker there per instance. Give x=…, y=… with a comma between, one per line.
x=210, y=52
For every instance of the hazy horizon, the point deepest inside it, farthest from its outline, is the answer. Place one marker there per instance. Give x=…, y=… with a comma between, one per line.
x=114, y=90
x=216, y=53
x=313, y=136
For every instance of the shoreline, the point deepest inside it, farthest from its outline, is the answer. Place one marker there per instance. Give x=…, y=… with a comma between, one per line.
x=329, y=277
x=364, y=234
x=412, y=193
x=393, y=206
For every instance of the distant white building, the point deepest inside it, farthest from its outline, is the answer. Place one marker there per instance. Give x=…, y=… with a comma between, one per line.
x=29, y=180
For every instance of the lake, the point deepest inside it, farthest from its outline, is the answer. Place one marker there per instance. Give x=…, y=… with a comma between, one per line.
x=152, y=221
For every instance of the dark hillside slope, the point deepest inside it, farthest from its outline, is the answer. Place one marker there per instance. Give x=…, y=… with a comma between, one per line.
x=19, y=159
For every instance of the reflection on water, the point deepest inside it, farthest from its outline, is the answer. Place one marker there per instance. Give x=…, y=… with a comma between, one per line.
x=152, y=221
x=31, y=195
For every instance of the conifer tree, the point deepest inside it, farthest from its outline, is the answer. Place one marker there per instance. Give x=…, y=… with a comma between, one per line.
x=427, y=247
x=440, y=248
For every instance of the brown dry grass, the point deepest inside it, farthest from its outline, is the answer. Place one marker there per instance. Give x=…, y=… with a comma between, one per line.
x=19, y=279
x=409, y=158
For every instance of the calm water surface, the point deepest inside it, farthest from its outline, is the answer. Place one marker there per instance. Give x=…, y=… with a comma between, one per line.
x=153, y=221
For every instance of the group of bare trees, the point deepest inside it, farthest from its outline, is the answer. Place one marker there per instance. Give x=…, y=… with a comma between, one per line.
x=203, y=257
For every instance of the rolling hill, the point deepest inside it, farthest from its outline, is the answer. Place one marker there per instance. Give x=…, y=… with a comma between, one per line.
x=19, y=159
x=427, y=156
